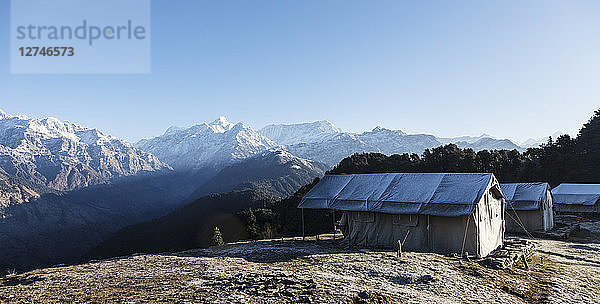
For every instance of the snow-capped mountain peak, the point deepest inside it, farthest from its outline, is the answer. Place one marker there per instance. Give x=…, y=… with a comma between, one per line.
x=381, y=130
x=207, y=145
x=221, y=125
x=65, y=155
x=274, y=171
x=4, y=115
x=288, y=134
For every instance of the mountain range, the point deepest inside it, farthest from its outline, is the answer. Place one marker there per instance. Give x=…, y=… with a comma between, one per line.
x=221, y=143
x=67, y=156
x=207, y=145
x=322, y=141
x=64, y=187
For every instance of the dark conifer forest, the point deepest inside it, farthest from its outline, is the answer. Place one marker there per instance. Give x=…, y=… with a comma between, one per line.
x=560, y=160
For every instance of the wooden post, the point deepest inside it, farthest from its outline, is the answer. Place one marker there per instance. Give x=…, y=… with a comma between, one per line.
x=303, y=235
x=525, y=262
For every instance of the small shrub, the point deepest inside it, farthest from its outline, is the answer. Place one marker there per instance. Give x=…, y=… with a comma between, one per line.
x=216, y=239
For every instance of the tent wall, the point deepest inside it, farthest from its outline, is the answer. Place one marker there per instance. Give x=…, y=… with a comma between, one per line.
x=548, y=211
x=380, y=230
x=448, y=234
x=479, y=233
x=541, y=219
x=489, y=216
x=519, y=221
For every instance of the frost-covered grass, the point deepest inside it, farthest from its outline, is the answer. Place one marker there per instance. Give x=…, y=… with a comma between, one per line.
x=287, y=271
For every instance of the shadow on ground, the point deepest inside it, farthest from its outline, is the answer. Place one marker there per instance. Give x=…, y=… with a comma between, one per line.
x=572, y=257
x=273, y=250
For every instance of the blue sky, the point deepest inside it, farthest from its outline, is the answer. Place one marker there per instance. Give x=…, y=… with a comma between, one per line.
x=515, y=69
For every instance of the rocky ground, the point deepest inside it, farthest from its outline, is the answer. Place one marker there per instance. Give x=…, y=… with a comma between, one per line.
x=314, y=272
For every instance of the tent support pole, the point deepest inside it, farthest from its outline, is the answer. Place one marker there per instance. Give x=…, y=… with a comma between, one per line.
x=430, y=243
x=303, y=235
x=334, y=225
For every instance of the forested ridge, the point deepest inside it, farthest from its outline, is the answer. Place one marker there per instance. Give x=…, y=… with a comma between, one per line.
x=560, y=160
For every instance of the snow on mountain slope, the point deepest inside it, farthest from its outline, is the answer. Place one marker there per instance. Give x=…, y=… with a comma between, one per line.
x=331, y=150
x=207, y=145
x=467, y=139
x=322, y=141
x=487, y=143
x=395, y=141
x=289, y=134
x=65, y=156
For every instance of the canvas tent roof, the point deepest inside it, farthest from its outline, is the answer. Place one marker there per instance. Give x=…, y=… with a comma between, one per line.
x=524, y=196
x=577, y=194
x=437, y=194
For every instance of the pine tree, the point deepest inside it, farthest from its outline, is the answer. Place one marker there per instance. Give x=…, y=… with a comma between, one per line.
x=588, y=142
x=216, y=239
x=251, y=225
x=589, y=135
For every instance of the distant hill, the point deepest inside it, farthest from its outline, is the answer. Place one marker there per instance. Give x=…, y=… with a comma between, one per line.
x=187, y=227
x=535, y=143
x=61, y=227
x=277, y=173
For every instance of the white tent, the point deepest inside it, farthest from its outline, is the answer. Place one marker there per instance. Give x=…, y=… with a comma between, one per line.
x=437, y=212
x=528, y=207
x=577, y=198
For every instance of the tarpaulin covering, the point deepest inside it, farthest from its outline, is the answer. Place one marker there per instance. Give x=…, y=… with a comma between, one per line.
x=524, y=196
x=576, y=194
x=436, y=194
